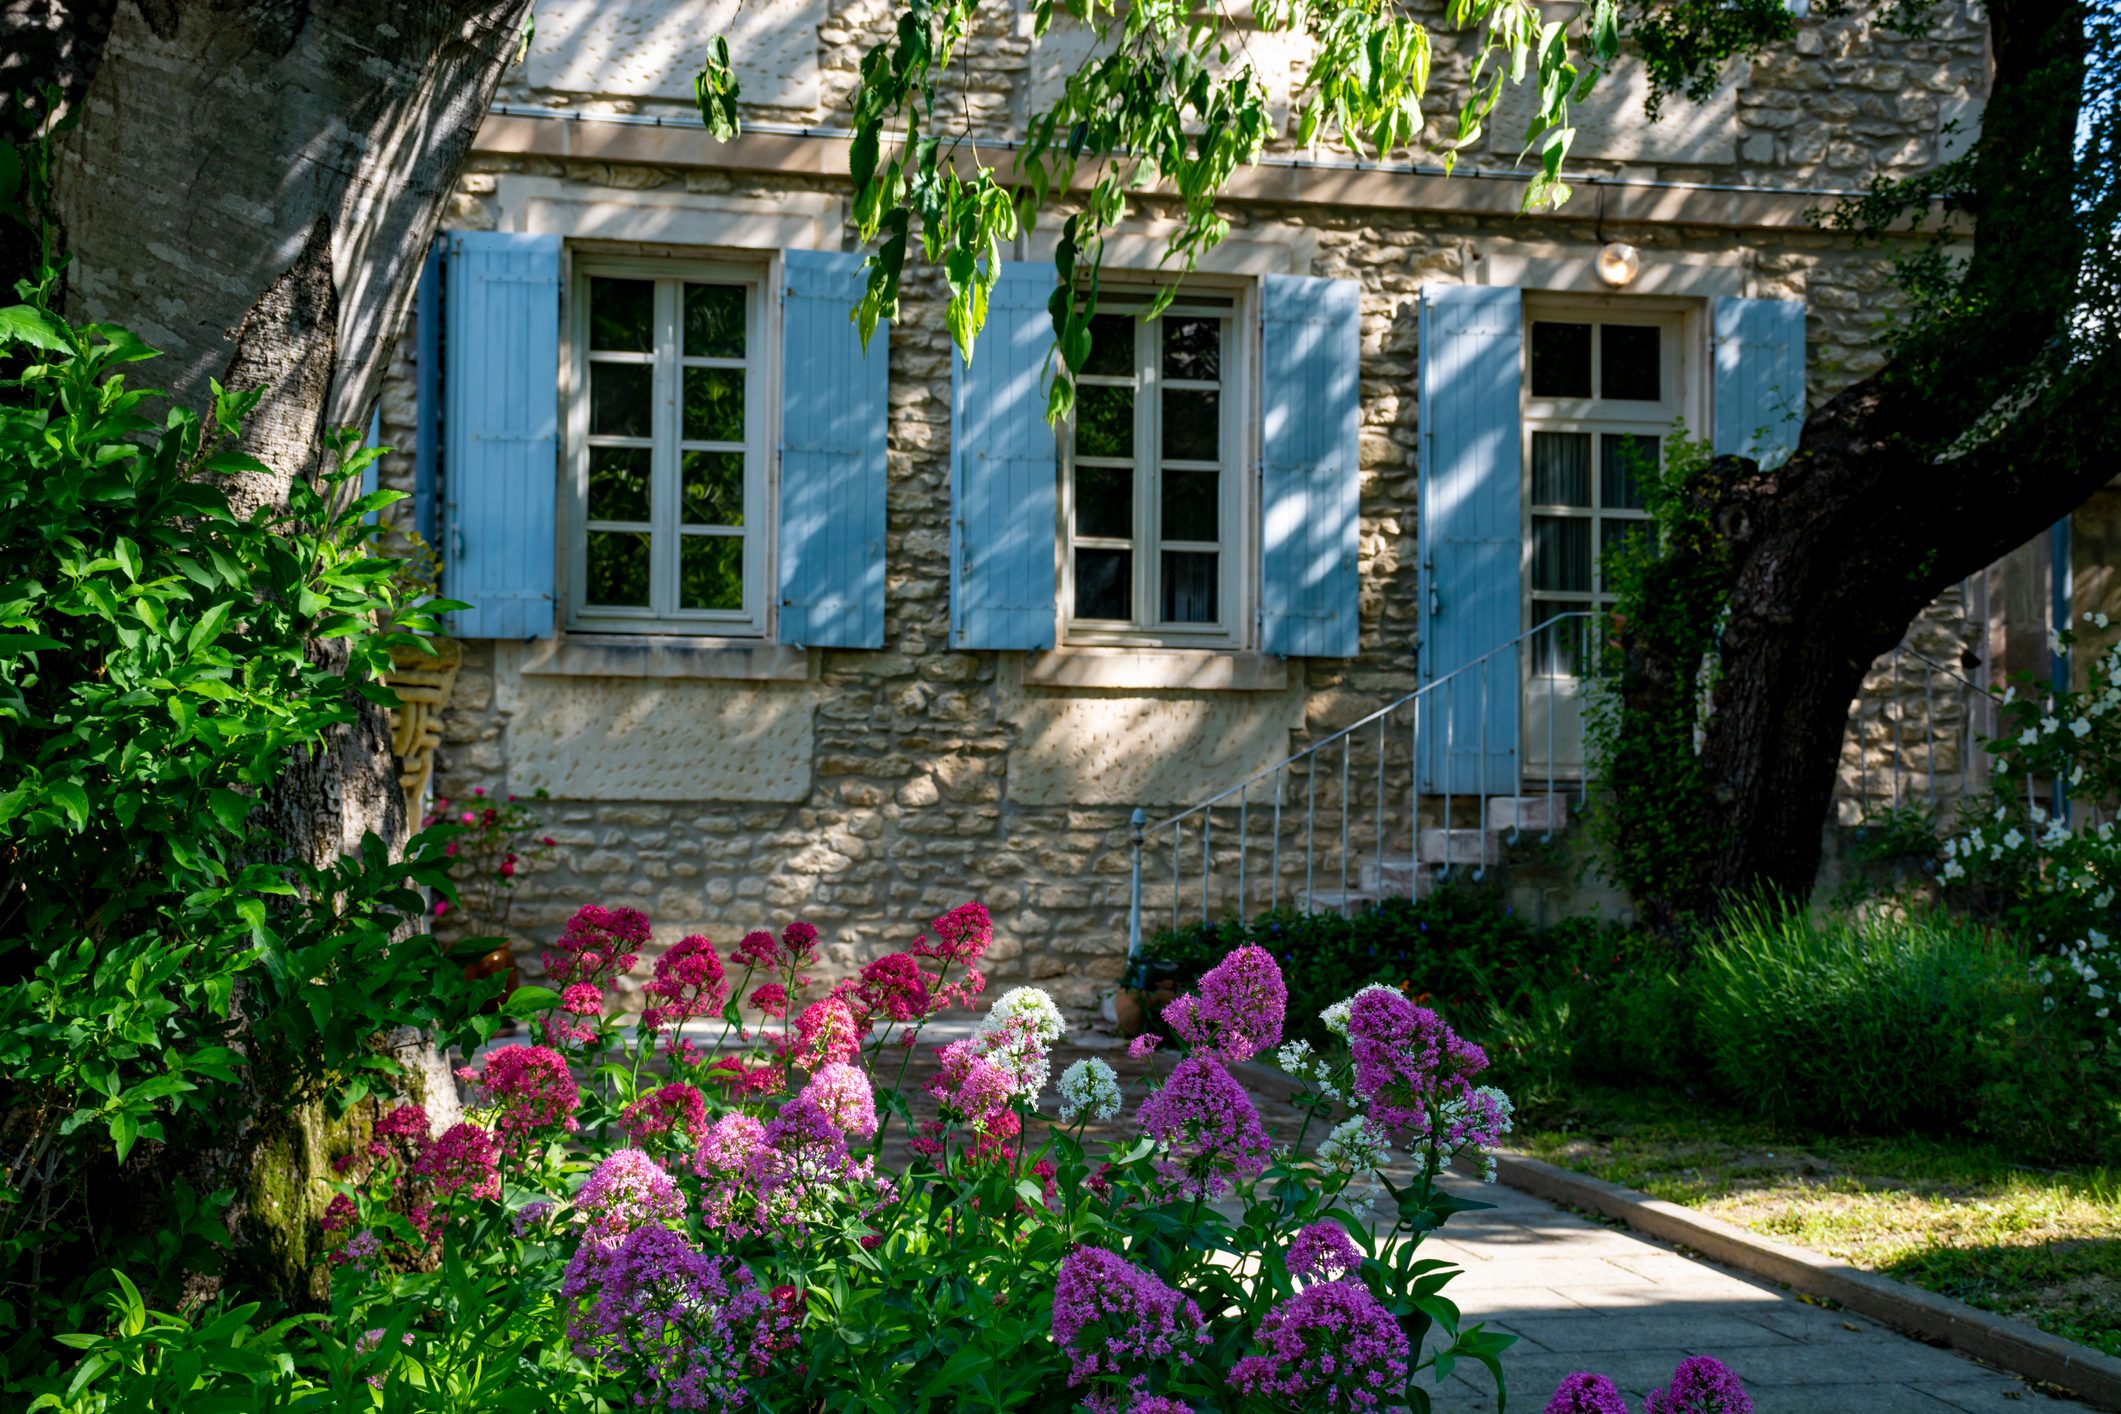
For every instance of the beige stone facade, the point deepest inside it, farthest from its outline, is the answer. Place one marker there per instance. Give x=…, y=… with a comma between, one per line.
x=735, y=786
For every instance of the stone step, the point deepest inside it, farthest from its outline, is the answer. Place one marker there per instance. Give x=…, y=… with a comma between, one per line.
x=1399, y=878
x=1547, y=814
x=1461, y=846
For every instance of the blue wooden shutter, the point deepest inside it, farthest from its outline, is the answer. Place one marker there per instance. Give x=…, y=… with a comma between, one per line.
x=1759, y=378
x=1004, y=472
x=500, y=426
x=1471, y=533
x=833, y=420
x=1310, y=477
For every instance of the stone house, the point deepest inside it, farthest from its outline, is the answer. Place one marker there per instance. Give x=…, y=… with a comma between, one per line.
x=787, y=629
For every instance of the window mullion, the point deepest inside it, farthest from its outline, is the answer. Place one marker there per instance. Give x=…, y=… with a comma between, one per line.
x=1148, y=474
x=662, y=495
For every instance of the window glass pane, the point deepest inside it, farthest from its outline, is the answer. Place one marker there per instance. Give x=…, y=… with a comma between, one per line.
x=1559, y=648
x=1561, y=553
x=1561, y=360
x=1628, y=363
x=1111, y=345
x=619, y=394
x=710, y=572
x=1191, y=505
x=1192, y=424
x=714, y=404
x=712, y=489
x=618, y=568
x=1193, y=348
x=714, y=321
x=1189, y=587
x=1561, y=468
x=1626, y=463
x=1104, y=421
x=1614, y=533
x=1104, y=584
x=618, y=483
x=621, y=314
x=1104, y=501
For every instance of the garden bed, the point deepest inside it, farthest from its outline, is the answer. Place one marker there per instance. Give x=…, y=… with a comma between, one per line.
x=1954, y=1217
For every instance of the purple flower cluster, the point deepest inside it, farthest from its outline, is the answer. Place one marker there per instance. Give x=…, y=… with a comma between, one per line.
x=1322, y=1252
x=784, y=1174
x=1113, y=1318
x=1408, y=1062
x=1238, y=1012
x=691, y=1327
x=1208, y=1127
x=842, y=1091
x=1331, y=1346
x=1701, y=1385
x=1586, y=1393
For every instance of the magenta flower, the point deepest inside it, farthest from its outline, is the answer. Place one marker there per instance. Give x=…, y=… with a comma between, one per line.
x=961, y=936
x=723, y=1164
x=1113, y=1318
x=1332, y=1346
x=894, y=987
x=574, y=1021
x=771, y=998
x=971, y=1089
x=627, y=1190
x=688, y=983
x=676, y=1109
x=1323, y=1250
x=1407, y=1062
x=598, y=943
x=1208, y=1127
x=1701, y=1385
x=1239, y=1009
x=406, y=1122
x=1586, y=1393
x=1140, y=1047
x=465, y=1159
x=534, y=1091
x=825, y=1034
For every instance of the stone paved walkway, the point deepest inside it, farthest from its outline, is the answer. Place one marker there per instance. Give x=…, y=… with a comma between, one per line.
x=1580, y=1295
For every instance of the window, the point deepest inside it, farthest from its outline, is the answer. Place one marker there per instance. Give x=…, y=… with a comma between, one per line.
x=668, y=433
x=1604, y=392
x=1604, y=388
x=1152, y=490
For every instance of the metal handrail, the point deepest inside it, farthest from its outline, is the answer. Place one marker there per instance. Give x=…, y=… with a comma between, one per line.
x=1440, y=691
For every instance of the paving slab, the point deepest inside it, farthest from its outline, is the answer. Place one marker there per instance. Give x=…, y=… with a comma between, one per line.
x=1580, y=1295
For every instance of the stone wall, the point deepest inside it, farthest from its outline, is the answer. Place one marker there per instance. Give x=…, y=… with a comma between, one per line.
x=869, y=791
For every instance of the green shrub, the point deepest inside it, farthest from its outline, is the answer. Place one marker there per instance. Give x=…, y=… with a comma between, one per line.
x=1637, y=1024
x=1458, y=949
x=1880, y=1025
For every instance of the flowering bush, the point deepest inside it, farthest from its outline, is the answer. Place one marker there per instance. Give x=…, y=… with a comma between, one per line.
x=496, y=838
x=696, y=1213
x=1701, y=1385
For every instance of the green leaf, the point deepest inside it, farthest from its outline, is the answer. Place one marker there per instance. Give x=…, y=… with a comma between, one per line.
x=529, y=1000
x=27, y=324
x=231, y=809
x=69, y=796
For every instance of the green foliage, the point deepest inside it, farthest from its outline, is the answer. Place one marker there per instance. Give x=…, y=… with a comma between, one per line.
x=163, y=661
x=1638, y=1021
x=1458, y=949
x=1859, y=1025
x=1170, y=98
x=1654, y=814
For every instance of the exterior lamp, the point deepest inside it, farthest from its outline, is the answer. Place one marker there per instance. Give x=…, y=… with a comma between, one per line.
x=1618, y=263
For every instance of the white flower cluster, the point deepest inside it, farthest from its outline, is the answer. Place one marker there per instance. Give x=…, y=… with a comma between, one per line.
x=1336, y=1016
x=1357, y=1145
x=2084, y=958
x=1301, y=1062
x=1089, y=1086
x=1034, y=1006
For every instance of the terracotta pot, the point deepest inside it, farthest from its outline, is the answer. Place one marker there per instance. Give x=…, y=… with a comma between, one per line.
x=1127, y=1014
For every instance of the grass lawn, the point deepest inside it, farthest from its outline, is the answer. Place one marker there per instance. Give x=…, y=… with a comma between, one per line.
x=1957, y=1218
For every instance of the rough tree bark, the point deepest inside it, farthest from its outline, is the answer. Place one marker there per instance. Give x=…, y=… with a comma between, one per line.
x=250, y=188
x=1974, y=440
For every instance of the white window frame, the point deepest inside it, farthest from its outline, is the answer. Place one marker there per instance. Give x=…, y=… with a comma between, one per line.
x=1551, y=722
x=760, y=361
x=1234, y=303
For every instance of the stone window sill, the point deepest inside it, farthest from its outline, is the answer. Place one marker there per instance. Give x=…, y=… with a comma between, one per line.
x=1162, y=669
x=626, y=655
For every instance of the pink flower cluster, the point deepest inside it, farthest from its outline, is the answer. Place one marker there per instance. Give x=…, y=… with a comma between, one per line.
x=842, y=1092
x=465, y=1159
x=598, y=943
x=676, y=1110
x=1210, y=1131
x=1409, y=1066
x=533, y=1090
x=1238, y=1011
x=688, y=982
x=1329, y=1346
x=1117, y=1321
x=784, y=1174
x=961, y=937
x=627, y=1190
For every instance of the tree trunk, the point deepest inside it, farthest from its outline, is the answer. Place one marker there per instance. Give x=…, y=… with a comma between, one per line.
x=251, y=188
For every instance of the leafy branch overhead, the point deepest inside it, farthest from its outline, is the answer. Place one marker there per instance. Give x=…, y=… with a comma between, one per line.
x=1171, y=101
